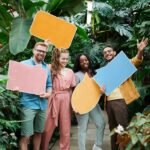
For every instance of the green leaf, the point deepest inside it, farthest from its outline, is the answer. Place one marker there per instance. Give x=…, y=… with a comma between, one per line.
x=81, y=32
x=5, y=16
x=103, y=8
x=3, y=37
x=3, y=78
x=72, y=7
x=1, y=115
x=66, y=6
x=4, y=49
x=140, y=122
x=122, y=29
x=129, y=146
x=133, y=136
x=19, y=35
x=122, y=13
x=3, y=147
x=53, y=5
x=34, y=1
x=140, y=137
x=1, y=89
x=145, y=23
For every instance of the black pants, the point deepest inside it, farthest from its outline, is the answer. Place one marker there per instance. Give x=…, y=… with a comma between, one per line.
x=117, y=114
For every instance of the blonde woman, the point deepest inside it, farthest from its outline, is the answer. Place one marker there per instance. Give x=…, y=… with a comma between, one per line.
x=59, y=109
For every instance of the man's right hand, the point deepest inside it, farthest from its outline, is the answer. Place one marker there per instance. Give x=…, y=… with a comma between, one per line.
x=141, y=45
x=47, y=42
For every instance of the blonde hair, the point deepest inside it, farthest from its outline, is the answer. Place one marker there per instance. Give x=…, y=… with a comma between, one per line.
x=55, y=66
x=40, y=43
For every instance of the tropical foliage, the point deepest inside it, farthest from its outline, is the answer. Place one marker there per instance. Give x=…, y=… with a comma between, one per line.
x=116, y=22
x=137, y=134
x=9, y=110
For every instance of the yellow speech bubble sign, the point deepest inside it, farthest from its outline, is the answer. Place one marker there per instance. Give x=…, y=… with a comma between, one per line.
x=85, y=96
x=49, y=27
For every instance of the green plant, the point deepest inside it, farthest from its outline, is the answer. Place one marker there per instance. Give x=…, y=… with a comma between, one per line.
x=137, y=135
x=16, y=18
x=9, y=111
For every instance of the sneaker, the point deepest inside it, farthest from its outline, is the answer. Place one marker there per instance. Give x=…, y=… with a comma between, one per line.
x=95, y=147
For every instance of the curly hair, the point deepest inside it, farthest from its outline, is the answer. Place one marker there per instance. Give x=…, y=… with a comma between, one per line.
x=55, y=66
x=77, y=66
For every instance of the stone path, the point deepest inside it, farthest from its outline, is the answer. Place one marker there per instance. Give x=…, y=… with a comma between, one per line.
x=90, y=137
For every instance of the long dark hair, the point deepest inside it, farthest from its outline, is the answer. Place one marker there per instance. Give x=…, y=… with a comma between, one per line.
x=77, y=66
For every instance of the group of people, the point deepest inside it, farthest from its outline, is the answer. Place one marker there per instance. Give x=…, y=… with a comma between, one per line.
x=42, y=113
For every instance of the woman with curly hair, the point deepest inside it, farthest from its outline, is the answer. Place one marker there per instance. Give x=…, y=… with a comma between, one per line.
x=59, y=109
x=83, y=65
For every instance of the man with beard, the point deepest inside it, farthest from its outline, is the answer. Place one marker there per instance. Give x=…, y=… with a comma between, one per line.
x=116, y=102
x=33, y=107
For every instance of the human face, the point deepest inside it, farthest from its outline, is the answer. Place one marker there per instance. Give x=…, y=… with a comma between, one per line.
x=63, y=59
x=109, y=53
x=84, y=62
x=39, y=53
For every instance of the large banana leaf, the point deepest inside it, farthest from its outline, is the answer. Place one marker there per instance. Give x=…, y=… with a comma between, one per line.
x=19, y=35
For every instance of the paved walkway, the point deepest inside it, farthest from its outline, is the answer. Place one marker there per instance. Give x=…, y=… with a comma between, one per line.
x=90, y=137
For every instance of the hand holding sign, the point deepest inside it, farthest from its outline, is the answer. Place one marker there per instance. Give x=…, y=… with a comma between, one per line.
x=85, y=96
x=115, y=73
x=26, y=78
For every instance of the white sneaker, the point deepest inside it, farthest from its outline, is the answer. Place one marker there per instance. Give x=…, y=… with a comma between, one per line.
x=96, y=147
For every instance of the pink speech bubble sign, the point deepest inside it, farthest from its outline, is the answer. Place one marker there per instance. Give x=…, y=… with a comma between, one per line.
x=26, y=78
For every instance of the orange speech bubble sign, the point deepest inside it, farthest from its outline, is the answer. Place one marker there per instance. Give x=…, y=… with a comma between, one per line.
x=85, y=96
x=48, y=27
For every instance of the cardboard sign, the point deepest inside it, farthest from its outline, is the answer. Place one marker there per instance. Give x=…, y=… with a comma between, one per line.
x=85, y=96
x=48, y=27
x=26, y=78
x=115, y=73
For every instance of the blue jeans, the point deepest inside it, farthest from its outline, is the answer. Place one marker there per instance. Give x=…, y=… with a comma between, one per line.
x=97, y=118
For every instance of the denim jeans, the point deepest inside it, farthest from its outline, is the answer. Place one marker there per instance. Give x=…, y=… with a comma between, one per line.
x=97, y=118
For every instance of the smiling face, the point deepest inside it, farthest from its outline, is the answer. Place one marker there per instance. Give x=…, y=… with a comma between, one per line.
x=63, y=59
x=39, y=53
x=109, y=53
x=84, y=63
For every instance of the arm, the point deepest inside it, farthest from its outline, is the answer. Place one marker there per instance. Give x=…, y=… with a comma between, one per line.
x=141, y=46
x=48, y=86
x=47, y=94
x=137, y=60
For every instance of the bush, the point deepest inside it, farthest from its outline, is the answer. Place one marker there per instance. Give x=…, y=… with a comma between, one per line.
x=137, y=134
x=9, y=109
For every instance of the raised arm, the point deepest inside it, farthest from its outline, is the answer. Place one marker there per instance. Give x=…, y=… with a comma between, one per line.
x=141, y=46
